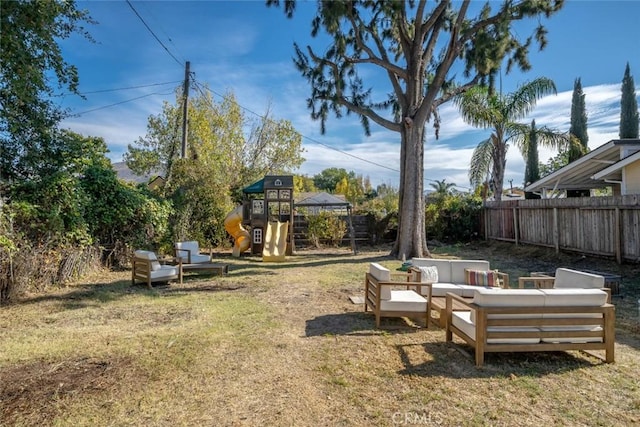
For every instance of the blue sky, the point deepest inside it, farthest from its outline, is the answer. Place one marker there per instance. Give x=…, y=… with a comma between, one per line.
x=246, y=48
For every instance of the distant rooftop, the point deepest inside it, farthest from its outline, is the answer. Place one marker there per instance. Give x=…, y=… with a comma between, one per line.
x=126, y=174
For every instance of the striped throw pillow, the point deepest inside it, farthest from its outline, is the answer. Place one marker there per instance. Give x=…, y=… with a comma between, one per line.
x=480, y=278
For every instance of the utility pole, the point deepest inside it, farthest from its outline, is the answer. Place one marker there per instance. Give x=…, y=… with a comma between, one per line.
x=185, y=102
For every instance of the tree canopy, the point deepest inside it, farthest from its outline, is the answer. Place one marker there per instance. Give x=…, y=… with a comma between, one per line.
x=629, y=116
x=413, y=45
x=32, y=69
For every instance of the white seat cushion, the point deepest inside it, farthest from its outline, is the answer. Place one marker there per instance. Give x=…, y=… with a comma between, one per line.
x=441, y=289
x=164, y=271
x=462, y=320
x=404, y=300
x=197, y=258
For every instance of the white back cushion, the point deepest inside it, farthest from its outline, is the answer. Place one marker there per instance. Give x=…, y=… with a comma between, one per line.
x=489, y=297
x=151, y=256
x=567, y=278
x=568, y=297
x=382, y=274
x=190, y=245
x=443, y=266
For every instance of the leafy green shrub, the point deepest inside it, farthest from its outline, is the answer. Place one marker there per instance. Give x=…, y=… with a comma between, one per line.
x=325, y=226
x=453, y=217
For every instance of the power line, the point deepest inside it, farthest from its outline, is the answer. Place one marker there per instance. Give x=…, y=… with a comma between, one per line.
x=119, y=103
x=154, y=34
x=118, y=89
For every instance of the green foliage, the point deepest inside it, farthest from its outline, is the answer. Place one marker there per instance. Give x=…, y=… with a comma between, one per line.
x=200, y=195
x=118, y=213
x=578, y=128
x=355, y=188
x=454, y=217
x=329, y=178
x=32, y=67
x=325, y=226
x=629, y=116
x=303, y=184
x=219, y=162
x=50, y=209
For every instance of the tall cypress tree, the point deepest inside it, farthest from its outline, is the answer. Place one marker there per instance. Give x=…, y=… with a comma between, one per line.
x=578, y=128
x=629, y=117
x=532, y=168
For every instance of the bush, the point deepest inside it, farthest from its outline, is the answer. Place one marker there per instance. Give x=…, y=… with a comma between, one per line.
x=453, y=217
x=325, y=226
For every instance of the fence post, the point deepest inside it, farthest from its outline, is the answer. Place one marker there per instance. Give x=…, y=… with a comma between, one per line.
x=556, y=230
x=515, y=224
x=617, y=240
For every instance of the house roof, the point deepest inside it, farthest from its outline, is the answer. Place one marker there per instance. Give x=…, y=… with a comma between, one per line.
x=126, y=174
x=581, y=174
x=321, y=199
x=614, y=172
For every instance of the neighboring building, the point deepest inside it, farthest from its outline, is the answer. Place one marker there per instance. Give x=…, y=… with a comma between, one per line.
x=316, y=202
x=614, y=165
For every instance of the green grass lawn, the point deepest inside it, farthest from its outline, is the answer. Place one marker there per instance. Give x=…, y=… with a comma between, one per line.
x=281, y=344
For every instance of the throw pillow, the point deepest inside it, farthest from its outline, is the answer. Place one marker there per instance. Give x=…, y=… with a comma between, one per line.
x=480, y=278
x=429, y=274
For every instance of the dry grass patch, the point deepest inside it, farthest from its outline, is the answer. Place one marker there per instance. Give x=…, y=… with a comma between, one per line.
x=281, y=344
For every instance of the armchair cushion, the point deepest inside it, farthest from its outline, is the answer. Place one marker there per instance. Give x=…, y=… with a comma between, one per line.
x=189, y=251
x=382, y=274
x=567, y=278
x=151, y=256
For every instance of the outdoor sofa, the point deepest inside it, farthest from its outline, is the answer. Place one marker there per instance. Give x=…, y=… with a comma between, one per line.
x=530, y=320
x=459, y=276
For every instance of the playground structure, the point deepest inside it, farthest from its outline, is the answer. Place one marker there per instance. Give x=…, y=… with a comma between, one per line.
x=233, y=226
x=264, y=222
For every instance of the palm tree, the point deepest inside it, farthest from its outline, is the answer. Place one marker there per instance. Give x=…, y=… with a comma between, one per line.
x=442, y=188
x=483, y=108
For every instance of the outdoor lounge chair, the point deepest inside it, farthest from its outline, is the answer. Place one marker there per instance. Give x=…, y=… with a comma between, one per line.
x=146, y=268
x=384, y=298
x=189, y=252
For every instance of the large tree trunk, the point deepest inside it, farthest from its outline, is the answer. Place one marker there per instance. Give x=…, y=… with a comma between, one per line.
x=499, y=166
x=411, y=240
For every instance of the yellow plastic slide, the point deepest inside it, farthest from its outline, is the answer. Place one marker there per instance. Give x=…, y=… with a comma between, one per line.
x=241, y=237
x=275, y=242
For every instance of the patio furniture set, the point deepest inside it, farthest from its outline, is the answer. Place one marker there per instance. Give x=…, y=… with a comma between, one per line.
x=571, y=311
x=146, y=267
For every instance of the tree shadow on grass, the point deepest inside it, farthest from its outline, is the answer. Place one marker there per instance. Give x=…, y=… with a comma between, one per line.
x=356, y=324
x=457, y=361
x=94, y=294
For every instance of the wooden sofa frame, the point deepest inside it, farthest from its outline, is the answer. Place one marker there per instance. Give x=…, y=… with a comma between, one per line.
x=372, y=293
x=141, y=271
x=482, y=322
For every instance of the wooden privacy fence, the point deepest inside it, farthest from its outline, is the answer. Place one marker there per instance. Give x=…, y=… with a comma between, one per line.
x=607, y=226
